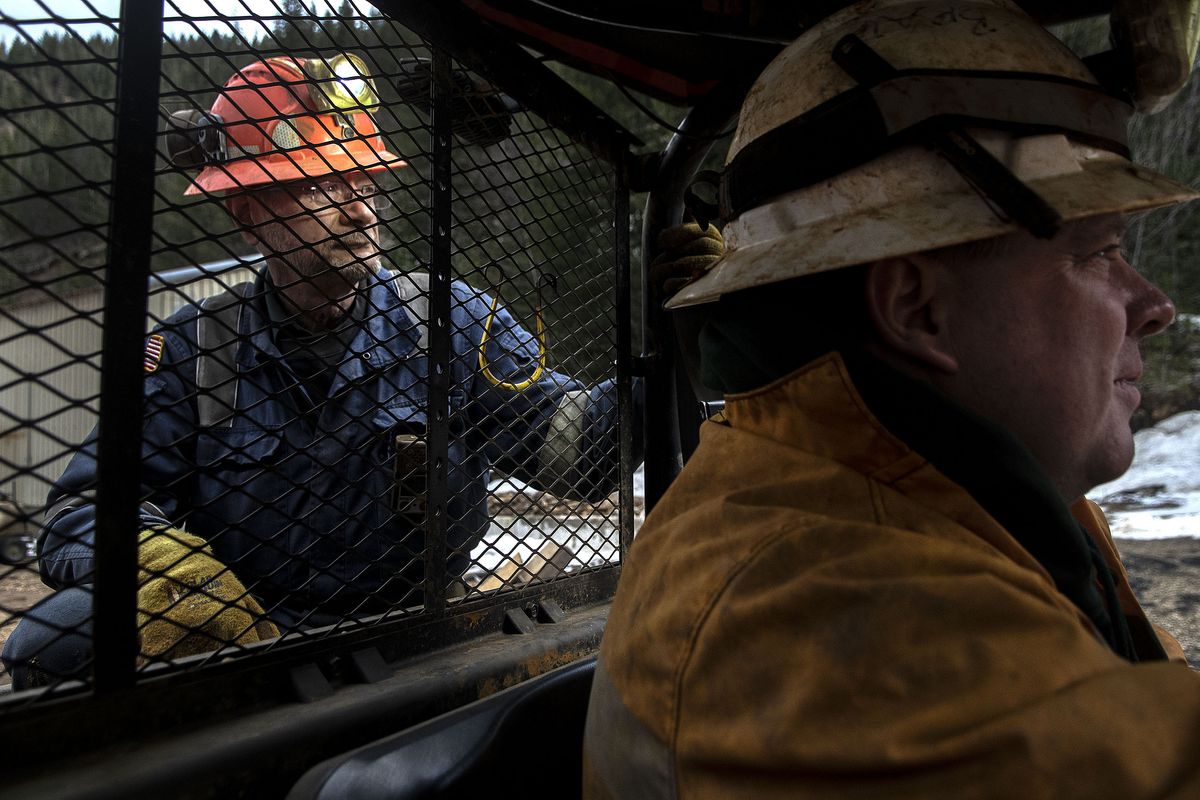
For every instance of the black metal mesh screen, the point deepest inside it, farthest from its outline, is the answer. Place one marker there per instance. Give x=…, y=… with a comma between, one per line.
x=381, y=355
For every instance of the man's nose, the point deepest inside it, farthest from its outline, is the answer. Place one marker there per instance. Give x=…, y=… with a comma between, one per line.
x=358, y=209
x=1150, y=311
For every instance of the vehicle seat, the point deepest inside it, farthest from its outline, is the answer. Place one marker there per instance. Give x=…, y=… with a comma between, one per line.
x=525, y=740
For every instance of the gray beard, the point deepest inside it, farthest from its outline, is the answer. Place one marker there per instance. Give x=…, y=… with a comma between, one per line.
x=334, y=256
x=324, y=259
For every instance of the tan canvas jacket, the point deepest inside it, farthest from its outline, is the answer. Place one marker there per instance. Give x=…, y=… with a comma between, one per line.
x=814, y=611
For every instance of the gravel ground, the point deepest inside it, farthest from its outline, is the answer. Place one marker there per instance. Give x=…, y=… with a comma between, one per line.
x=20, y=588
x=1165, y=574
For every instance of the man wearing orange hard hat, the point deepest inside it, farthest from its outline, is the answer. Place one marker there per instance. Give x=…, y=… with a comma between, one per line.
x=285, y=119
x=285, y=438
x=879, y=576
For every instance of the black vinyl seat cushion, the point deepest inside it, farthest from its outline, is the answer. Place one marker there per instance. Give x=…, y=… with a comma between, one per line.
x=526, y=740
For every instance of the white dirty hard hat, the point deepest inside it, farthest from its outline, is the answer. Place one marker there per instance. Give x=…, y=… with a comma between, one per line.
x=895, y=127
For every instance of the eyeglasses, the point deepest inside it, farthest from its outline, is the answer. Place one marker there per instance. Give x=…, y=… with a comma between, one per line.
x=316, y=195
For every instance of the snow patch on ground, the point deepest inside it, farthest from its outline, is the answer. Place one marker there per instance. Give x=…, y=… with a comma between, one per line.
x=508, y=485
x=1159, y=497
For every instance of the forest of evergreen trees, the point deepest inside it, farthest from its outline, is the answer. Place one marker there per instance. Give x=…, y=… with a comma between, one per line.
x=57, y=129
x=534, y=204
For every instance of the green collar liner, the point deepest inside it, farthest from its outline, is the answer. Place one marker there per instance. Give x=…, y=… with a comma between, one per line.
x=1001, y=475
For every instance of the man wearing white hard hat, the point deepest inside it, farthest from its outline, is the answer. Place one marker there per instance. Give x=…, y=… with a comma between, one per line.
x=879, y=576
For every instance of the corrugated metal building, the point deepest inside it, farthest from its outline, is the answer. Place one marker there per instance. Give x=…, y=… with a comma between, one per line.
x=50, y=370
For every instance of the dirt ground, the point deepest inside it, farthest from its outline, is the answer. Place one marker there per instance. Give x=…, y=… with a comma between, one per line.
x=20, y=588
x=1165, y=574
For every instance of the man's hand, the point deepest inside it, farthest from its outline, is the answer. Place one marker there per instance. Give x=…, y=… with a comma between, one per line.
x=685, y=252
x=188, y=602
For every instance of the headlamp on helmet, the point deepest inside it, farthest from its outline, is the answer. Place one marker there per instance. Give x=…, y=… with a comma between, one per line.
x=1155, y=42
x=341, y=83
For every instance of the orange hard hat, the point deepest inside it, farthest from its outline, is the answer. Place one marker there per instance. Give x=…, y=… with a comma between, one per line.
x=285, y=119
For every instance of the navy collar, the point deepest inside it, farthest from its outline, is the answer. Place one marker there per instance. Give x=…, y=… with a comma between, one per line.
x=388, y=333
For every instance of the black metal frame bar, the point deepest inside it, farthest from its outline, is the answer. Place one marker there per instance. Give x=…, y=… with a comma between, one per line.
x=50, y=732
x=437, y=419
x=257, y=740
x=624, y=299
x=672, y=409
x=125, y=304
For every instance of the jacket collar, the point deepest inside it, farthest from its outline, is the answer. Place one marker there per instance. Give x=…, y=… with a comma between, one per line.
x=825, y=401
x=898, y=430
x=389, y=332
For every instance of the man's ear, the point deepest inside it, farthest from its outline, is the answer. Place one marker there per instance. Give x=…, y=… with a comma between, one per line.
x=906, y=299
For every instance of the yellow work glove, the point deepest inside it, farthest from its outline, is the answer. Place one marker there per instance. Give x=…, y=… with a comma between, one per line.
x=685, y=252
x=188, y=602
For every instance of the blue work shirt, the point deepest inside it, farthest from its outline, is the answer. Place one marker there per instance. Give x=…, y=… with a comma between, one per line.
x=297, y=496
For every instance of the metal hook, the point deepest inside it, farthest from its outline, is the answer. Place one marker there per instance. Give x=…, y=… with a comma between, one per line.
x=539, y=335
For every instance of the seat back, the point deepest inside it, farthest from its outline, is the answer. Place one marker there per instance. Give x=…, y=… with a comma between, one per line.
x=526, y=740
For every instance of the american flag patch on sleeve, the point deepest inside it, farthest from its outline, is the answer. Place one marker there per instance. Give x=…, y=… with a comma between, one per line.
x=154, y=348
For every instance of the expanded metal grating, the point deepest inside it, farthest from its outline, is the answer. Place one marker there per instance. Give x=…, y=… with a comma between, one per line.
x=369, y=396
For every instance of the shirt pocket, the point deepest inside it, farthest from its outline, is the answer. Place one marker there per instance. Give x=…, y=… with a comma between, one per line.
x=408, y=386
x=239, y=450
x=405, y=385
